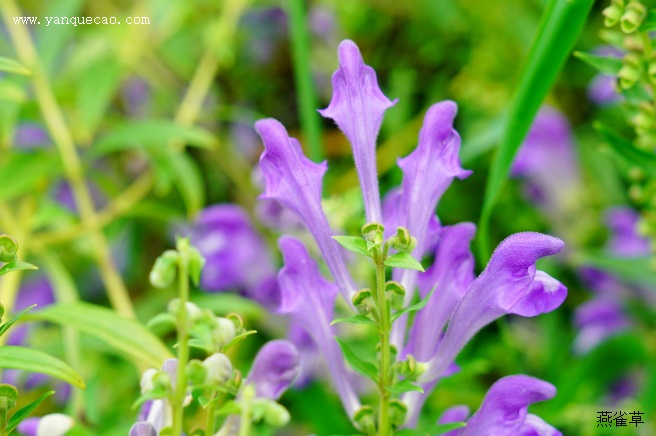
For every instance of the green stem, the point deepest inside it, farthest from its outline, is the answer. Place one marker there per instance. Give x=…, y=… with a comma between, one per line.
x=211, y=418
x=385, y=361
x=183, y=344
x=245, y=417
x=307, y=98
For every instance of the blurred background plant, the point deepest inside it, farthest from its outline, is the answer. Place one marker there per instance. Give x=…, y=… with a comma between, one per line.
x=113, y=138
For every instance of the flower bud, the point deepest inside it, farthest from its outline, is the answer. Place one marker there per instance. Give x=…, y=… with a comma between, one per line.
x=8, y=397
x=633, y=17
x=223, y=332
x=403, y=241
x=8, y=248
x=613, y=13
x=193, y=312
x=196, y=263
x=147, y=380
x=55, y=424
x=197, y=372
x=164, y=271
x=644, y=119
x=395, y=293
x=630, y=72
x=219, y=369
x=373, y=234
x=397, y=410
x=411, y=369
x=363, y=301
x=275, y=414
x=364, y=418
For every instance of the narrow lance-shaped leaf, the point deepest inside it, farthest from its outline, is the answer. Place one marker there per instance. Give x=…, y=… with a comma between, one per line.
x=604, y=64
x=25, y=411
x=16, y=266
x=361, y=366
x=559, y=27
x=31, y=360
x=8, y=65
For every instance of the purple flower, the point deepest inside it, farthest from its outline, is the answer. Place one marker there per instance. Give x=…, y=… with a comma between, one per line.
x=143, y=429
x=310, y=356
x=136, y=94
x=357, y=107
x=596, y=320
x=55, y=424
x=603, y=87
x=547, y=160
x=296, y=182
x=510, y=284
x=310, y=299
x=30, y=136
x=235, y=253
x=504, y=411
x=624, y=239
x=275, y=368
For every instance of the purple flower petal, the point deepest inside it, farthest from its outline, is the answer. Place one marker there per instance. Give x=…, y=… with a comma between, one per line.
x=274, y=369
x=31, y=136
x=625, y=239
x=143, y=429
x=357, y=107
x=310, y=299
x=295, y=181
x=505, y=286
x=597, y=320
x=535, y=426
x=29, y=426
x=504, y=408
x=454, y=414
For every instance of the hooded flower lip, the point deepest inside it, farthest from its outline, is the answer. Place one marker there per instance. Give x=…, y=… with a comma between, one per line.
x=296, y=182
x=504, y=410
x=310, y=299
x=509, y=284
x=275, y=368
x=357, y=107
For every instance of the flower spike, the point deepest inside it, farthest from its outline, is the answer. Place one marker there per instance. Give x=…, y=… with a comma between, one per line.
x=357, y=107
x=296, y=182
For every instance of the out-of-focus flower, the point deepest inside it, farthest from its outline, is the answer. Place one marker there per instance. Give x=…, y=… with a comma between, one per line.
x=275, y=368
x=603, y=88
x=29, y=136
x=136, y=95
x=596, y=320
x=159, y=412
x=504, y=411
x=56, y=424
x=235, y=253
x=624, y=238
x=310, y=299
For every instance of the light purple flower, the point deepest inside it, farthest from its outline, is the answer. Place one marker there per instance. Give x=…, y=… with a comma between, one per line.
x=509, y=284
x=235, y=253
x=275, y=368
x=547, y=160
x=624, y=239
x=143, y=429
x=310, y=299
x=30, y=136
x=296, y=182
x=603, y=89
x=55, y=424
x=357, y=107
x=504, y=411
x=136, y=94
x=597, y=320
x=311, y=358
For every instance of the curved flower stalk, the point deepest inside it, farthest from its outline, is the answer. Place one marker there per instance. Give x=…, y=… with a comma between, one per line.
x=310, y=299
x=357, y=107
x=295, y=181
x=504, y=410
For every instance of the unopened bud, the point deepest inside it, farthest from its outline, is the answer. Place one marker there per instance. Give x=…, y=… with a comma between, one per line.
x=219, y=369
x=644, y=119
x=613, y=13
x=147, y=380
x=275, y=414
x=633, y=17
x=193, y=312
x=55, y=424
x=8, y=248
x=411, y=369
x=403, y=241
x=395, y=293
x=196, y=372
x=223, y=332
x=398, y=411
x=8, y=397
x=196, y=263
x=373, y=234
x=364, y=418
x=164, y=271
x=363, y=301
x=630, y=72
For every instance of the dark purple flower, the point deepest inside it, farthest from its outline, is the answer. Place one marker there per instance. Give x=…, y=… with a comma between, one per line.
x=504, y=411
x=596, y=320
x=357, y=107
x=275, y=368
x=310, y=299
x=296, y=182
x=510, y=284
x=236, y=255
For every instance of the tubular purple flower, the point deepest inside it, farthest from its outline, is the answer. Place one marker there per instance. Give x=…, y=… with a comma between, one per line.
x=296, y=182
x=509, y=284
x=357, y=107
x=310, y=299
x=275, y=368
x=597, y=320
x=504, y=411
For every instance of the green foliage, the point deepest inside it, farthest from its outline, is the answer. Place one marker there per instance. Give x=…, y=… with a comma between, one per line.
x=25, y=411
x=403, y=260
x=362, y=366
x=37, y=361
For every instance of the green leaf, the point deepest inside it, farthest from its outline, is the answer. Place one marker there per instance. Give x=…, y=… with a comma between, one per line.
x=636, y=270
x=229, y=408
x=238, y=339
x=12, y=92
x=25, y=411
x=404, y=260
x=355, y=319
x=16, y=266
x=6, y=326
x=649, y=24
x=126, y=336
x=21, y=173
x=188, y=179
x=404, y=386
x=11, y=66
x=604, y=64
x=436, y=429
x=161, y=323
x=362, y=366
x=626, y=150
x=353, y=243
x=31, y=360
x=150, y=133
x=557, y=32
x=415, y=307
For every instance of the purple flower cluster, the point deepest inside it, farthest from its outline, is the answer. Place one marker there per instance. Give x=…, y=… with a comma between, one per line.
x=461, y=304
